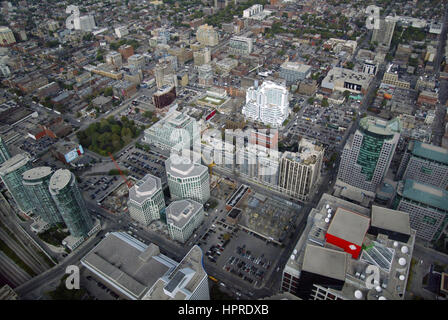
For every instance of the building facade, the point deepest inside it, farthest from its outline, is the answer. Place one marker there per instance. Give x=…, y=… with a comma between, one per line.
x=425, y=163
x=187, y=180
x=384, y=34
x=207, y=36
x=4, y=152
x=183, y=217
x=241, y=45
x=427, y=207
x=71, y=204
x=368, y=153
x=268, y=104
x=294, y=71
x=36, y=181
x=299, y=172
x=176, y=130
x=11, y=174
x=146, y=202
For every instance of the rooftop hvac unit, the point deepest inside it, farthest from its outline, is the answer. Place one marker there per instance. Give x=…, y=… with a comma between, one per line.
x=402, y=261
x=404, y=249
x=358, y=294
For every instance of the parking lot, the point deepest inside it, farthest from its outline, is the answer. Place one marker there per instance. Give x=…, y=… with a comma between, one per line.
x=241, y=253
x=139, y=163
x=37, y=147
x=326, y=125
x=98, y=187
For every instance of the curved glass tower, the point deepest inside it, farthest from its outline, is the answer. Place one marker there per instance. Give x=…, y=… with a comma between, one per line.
x=11, y=174
x=36, y=182
x=70, y=203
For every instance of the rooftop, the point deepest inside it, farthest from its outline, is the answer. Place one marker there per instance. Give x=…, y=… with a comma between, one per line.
x=182, y=282
x=425, y=194
x=431, y=152
x=37, y=173
x=296, y=66
x=180, y=212
x=392, y=220
x=14, y=163
x=349, y=226
x=128, y=263
x=145, y=188
x=380, y=126
x=60, y=179
x=182, y=167
x=326, y=262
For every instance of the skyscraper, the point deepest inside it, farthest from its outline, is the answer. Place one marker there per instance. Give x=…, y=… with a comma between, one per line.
x=368, y=153
x=11, y=174
x=300, y=171
x=206, y=35
x=384, y=34
x=425, y=163
x=183, y=217
x=427, y=207
x=4, y=152
x=70, y=203
x=187, y=180
x=36, y=181
x=268, y=103
x=146, y=202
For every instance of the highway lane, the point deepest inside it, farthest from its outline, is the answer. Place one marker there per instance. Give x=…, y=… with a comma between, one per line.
x=25, y=291
x=12, y=271
x=9, y=219
x=21, y=253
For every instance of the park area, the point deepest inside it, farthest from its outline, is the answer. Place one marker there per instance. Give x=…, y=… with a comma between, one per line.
x=109, y=135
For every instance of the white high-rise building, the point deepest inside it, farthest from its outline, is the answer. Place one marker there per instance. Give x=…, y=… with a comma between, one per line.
x=114, y=58
x=146, y=202
x=252, y=11
x=299, y=172
x=121, y=31
x=84, y=23
x=268, y=103
x=207, y=36
x=384, y=34
x=187, y=180
x=183, y=217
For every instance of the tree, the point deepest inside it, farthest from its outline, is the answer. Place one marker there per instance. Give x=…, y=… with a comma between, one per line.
x=325, y=103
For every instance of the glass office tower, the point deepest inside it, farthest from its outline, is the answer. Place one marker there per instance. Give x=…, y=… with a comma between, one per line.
x=70, y=203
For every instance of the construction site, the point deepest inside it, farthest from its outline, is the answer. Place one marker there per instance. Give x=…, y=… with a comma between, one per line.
x=269, y=217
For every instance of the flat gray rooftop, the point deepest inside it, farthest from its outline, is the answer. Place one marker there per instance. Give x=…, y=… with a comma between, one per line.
x=123, y=261
x=180, y=212
x=326, y=262
x=349, y=226
x=183, y=168
x=145, y=188
x=392, y=220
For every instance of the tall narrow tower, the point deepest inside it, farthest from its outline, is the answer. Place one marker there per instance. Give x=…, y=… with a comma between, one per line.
x=70, y=203
x=36, y=181
x=11, y=174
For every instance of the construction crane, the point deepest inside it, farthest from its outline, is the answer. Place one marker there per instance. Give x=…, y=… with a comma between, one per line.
x=129, y=184
x=210, y=166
